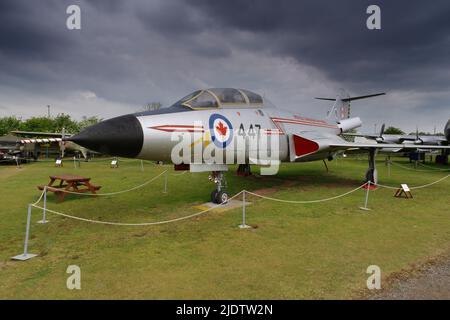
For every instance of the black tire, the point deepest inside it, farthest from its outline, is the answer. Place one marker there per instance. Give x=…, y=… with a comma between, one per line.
x=214, y=196
x=221, y=197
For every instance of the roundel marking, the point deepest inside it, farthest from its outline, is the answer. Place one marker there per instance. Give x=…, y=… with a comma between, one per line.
x=221, y=130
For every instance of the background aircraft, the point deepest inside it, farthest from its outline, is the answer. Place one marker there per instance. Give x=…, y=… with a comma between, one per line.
x=55, y=137
x=219, y=115
x=402, y=138
x=421, y=141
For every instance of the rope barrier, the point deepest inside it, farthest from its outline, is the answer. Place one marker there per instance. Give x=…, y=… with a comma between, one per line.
x=188, y=216
x=136, y=224
x=40, y=197
x=43, y=195
x=204, y=211
x=417, y=187
x=306, y=201
x=411, y=169
x=431, y=168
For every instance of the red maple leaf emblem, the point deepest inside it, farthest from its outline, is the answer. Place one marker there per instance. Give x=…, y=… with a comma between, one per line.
x=222, y=129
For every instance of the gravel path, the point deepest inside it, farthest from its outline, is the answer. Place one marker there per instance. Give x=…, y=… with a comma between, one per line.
x=433, y=282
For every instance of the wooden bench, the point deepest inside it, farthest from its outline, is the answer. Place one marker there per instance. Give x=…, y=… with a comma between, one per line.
x=69, y=184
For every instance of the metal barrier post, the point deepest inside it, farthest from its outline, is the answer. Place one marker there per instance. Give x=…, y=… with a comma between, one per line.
x=367, y=197
x=44, y=211
x=26, y=255
x=243, y=225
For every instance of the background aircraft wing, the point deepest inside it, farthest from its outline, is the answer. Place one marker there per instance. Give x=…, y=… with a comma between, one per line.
x=37, y=133
x=361, y=135
x=350, y=145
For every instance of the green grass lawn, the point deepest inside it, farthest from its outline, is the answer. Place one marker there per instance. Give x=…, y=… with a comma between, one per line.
x=295, y=251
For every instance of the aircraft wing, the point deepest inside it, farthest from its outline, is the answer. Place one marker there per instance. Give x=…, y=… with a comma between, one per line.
x=310, y=144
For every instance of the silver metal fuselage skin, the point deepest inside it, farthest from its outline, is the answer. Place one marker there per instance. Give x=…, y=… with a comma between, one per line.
x=158, y=129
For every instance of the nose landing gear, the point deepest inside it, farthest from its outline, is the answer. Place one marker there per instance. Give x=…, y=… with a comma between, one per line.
x=220, y=195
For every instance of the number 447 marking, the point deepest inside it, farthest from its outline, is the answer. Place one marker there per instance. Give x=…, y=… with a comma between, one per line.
x=252, y=130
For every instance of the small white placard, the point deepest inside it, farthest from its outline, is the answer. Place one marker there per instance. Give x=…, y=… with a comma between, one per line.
x=58, y=161
x=405, y=187
x=114, y=162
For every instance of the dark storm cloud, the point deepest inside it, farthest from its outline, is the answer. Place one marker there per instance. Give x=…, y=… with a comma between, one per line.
x=411, y=50
x=38, y=53
x=26, y=33
x=173, y=19
x=133, y=52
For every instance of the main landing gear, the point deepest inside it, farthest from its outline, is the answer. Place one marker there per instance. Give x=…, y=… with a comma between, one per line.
x=371, y=173
x=220, y=195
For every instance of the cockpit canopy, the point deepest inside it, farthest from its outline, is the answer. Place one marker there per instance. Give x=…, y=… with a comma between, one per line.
x=221, y=98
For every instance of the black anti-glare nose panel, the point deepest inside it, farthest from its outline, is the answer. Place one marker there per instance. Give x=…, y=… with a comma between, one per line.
x=120, y=136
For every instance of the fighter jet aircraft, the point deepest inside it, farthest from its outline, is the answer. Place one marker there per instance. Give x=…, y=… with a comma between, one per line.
x=218, y=120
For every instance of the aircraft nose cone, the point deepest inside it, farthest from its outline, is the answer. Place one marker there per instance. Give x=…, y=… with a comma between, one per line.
x=120, y=136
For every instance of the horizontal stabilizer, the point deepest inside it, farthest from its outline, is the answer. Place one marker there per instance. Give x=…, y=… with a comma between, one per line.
x=341, y=107
x=353, y=98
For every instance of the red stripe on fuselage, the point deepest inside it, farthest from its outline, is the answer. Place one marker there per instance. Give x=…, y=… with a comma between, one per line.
x=314, y=123
x=178, y=128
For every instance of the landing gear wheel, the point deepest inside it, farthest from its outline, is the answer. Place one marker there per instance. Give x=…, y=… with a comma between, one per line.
x=221, y=197
x=214, y=196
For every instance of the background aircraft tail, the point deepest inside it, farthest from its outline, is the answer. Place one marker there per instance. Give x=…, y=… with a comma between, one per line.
x=341, y=107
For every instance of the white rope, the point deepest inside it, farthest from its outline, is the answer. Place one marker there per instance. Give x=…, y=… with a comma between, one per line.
x=386, y=187
x=433, y=169
x=135, y=224
x=417, y=187
x=407, y=168
x=306, y=201
x=40, y=198
x=430, y=184
x=114, y=193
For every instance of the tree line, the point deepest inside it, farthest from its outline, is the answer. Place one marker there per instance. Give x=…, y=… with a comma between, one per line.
x=394, y=130
x=46, y=124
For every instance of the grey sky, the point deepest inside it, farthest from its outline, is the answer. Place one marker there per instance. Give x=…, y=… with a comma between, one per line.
x=129, y=53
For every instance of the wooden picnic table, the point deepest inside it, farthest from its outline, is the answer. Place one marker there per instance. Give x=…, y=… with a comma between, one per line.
x=69, y=183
